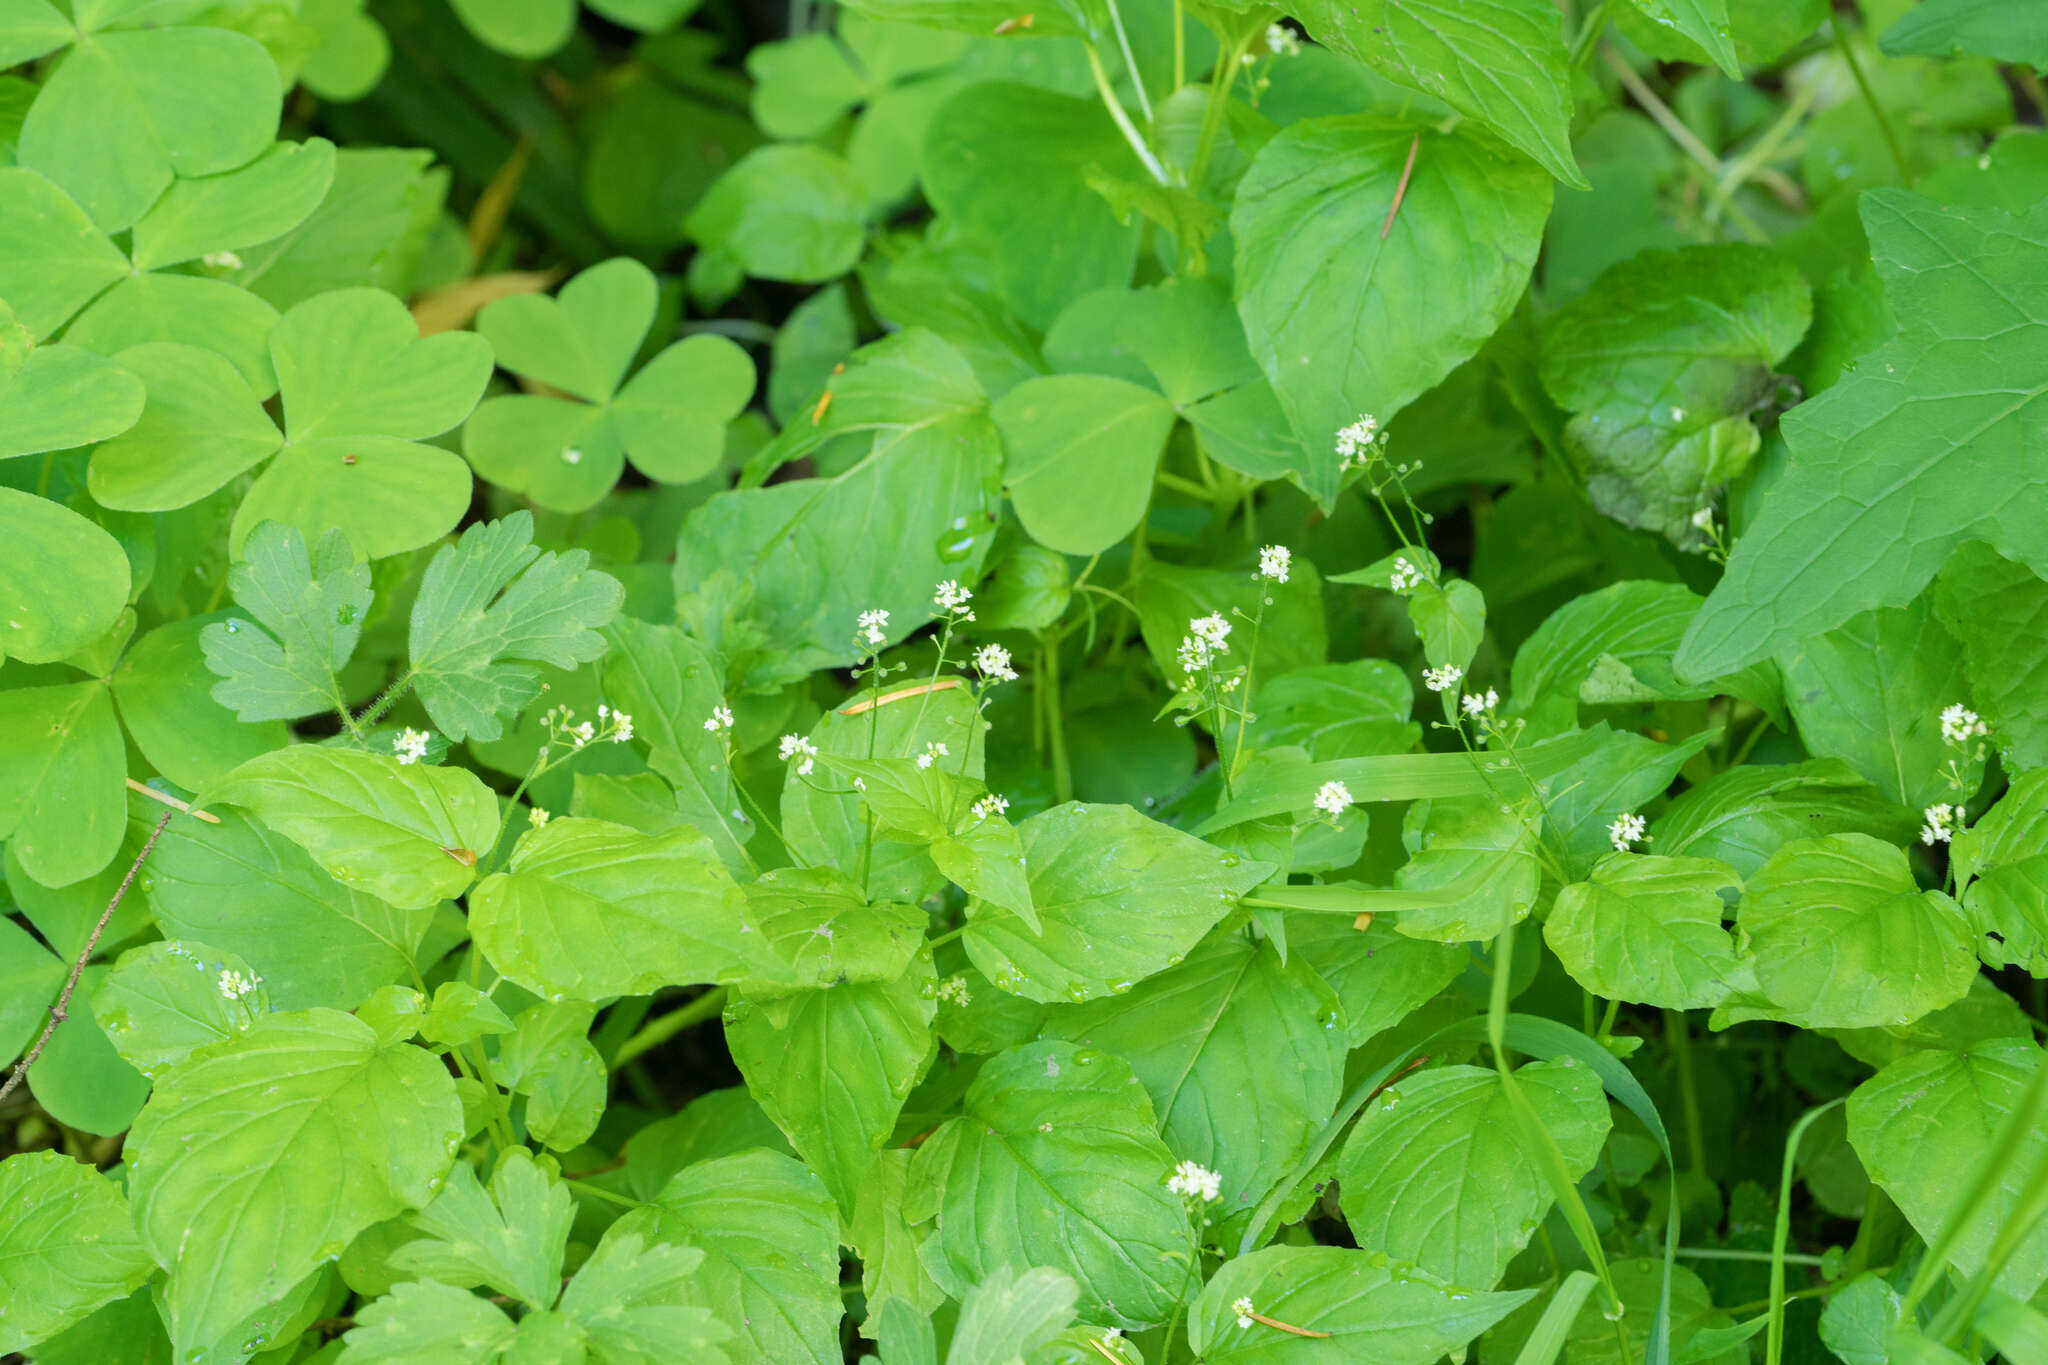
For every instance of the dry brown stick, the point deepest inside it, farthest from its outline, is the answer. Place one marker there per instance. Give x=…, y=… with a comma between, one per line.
x=173, y=802
x=900, y=694
x=1401, y=190
x=59, y=1011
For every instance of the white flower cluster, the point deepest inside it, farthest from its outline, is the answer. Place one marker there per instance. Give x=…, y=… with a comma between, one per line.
x=1195, y=1181
x=1281, y=42
x=1479, y=705
x=234, y=986
x=1333, y=798
x=1960, y=725
x=1207, y=640
x=989, y=805
x=1359, y=442
x=951, y=599
x=1273, y=562
x=954, y=991
x=932, y=754
x=1442, y=679
x=874, y=626
x=1406, y=577
x=993, y=663
x=1943, y=822
x=1242, y=1306
x=538, y=817
x=411, y=745
x=719, y=719
x=800, y=749
x=616, y=726
x=1628, y=828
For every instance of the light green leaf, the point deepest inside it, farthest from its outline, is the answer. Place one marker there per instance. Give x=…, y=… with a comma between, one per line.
x=1344, y=321
x=1623, y=775
x=549, y=1059
x=891, y=1275
x=519, y=28
x=1502, y=62
x=1009, y=163
x=52, y=260
x=718, y=1123
x=1840, y=936
x=1999, y=612
x=1858, y=1318
x=240, y=888
x=1380, y=976
x=819, y=930
x=1437, y=1173
x=63, y=396
x=1983, y=28
x=1661, y=362
x=29, y=978
x=410, y=835
x=1085, y=864
x=489, y=608
x=1055, y=1158
x=124, y=112
x=161, y=690
x=184, y=310
x=1744, y=815
x=563, y=455
x=590, y=910
x=1082, y=449
x=308, y=612
x=79, y=1080
x=2001, y=864
x=770, y=1238
x=352, y=363
x=370, y=229
x=635, y=1303
x=1201, y=1037
x=425, y=1324
x=67, y=1246
x=583, y=338
x=1648, y=930
x=1475, y=844
x=261, y=1157
x=791, y=212
x=62, y=764
x=353, y=50
x=43, y=542
x=266, y=198
x=1343, y=710
x=1924, y=1126
x=1450, y=619
x=462, y=1014
x=1371, y=1309
x=387, y=496
x=672, y=416
x=1933, y=440
x=201, y=427
x=832, y=1066
x=511, y=1239
x=164, y=1001
x=1703, y=21
x=1010, y=1314
x=30, y=29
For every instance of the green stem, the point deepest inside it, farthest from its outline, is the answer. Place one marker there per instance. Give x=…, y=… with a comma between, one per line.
x=1774, y=1344
x=1123, y=42
x=1678, y=1033
x=1590, y=31
x=1180, y=46
x=1220, y=82
x=1055, y=721
x=385, y=702
x=1743, y=167
x=1607, y=1020
x=1688, y=142
x=660, y=1030
x=610, y=1196
x=1200, y=492
x=946, y=937
x=1884, y=123
x=1123, y=120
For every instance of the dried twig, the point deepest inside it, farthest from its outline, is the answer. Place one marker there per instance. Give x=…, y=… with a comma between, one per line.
x=900, y=694
x=59, y=1012
x=1401, y=190
x=173, y=802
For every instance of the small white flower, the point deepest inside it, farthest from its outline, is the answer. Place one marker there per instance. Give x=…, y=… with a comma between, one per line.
x=950, y=597
x=1628, y=828
x=932, y=754
x=801, y=750
x=1442, y=679
x=1477, y=704
x=233, y=985
x=1703, y=519
x=571, y=455
x=622, y=727
x=1196, y=1181
x=1242, y=1306
x=222, y=260
x=860, y=784
x=537, y=817
x=1942, y=823
x=410, y=746
x=581, y=734
x=1281, y=42
x=993, y=663
x=1959, y=724
x=1212, y=630
x=990, y=805
x=1273, y=562
x=1333, y=798
x=1406, y=577
x=1357, y=442
x=719, y=719
x=954, y=990
x=874, y=626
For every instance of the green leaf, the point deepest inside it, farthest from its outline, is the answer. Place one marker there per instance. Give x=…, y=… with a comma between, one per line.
x=63, y=396
x=791, y=212
x=1380, y=976
x=1450, y=619
x=489, y=608
x=29, y=978
x=423, y=1323
x=266, y=198
x=1502, y=63
x=1055, y=1158
x=67, y=1248
x=184, y=310
x=1346, y=322
x=124, y=112
x=1998, y=610
x=1744, y=815
x=462, y=1014
x=1930, y=442
x=1871, y=693
x=62, y=764
x=672, y=416
x=770, y=1239
x=1703, y=21
x=410, y=835
x=261, y=1157
x=79, y=1080
x=368, y=230
x=1436, y=1172
x=1009, y=163
x=353, y=50
x=519, y=28
x=1343, y=710
x=803, y=85
x=1011, y=1314
x=1098, y=938
x=31, y=29
x=2001, y=866
x=240, y=888
x=1626, y=773
x=1482, y=848
x=583, y=338
x=1648, y=930
x=1082, y=449
x=307, y=613
x=52, y=260
x=591, y=910
x=832, y=1066
x=1200, y=1038
x=549, y=1059
x=1661, y=362
x=819, y=930
x=1925, y=1124
x=1983, y=28
x=511, y=1239
x=45, y=542
x=200, y=428
x=633, y=1301
x=1393, y=1315
x=161, y=690
x=1839, y=936
x=164, y=1001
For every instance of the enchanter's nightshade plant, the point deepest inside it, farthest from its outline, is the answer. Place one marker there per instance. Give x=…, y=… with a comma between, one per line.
x=946, y=682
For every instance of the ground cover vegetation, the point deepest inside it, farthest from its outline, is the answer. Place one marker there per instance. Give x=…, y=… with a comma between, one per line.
x=1023, y=681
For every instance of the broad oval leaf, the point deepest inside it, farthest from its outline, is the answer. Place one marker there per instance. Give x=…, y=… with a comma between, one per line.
x=43, y=542
x=62, y=764
x=166, y=1000
x=1648, y=930
x=67, y=1246
x=1082, y=449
